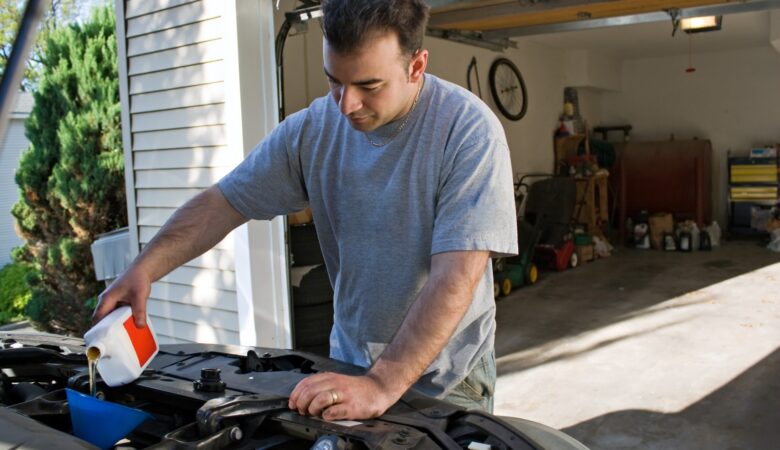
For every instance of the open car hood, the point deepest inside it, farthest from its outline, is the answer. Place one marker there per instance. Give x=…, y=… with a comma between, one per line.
x=245, y=409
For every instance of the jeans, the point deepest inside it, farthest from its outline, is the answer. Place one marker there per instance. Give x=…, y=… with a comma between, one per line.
x=477, y=389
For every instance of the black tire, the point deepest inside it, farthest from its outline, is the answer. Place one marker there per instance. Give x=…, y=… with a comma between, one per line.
x=304, y=246
x=312, y=325
x=315, y=289
x=504, y=79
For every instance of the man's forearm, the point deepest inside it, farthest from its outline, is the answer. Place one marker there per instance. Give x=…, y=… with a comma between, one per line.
x=193, y=229
x=431, y=320
x=426, y=329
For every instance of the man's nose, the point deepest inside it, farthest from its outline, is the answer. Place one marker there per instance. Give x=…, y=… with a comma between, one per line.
x=350, y=100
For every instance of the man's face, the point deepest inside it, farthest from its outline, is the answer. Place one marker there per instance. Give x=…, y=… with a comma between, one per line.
x=374, y=85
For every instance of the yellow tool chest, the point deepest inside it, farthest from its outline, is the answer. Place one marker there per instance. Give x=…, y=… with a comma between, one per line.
x=753, y=186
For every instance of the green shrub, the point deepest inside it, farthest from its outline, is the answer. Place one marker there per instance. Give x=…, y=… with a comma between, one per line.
x=71, y=179
x=37, y=311
x=14, y=292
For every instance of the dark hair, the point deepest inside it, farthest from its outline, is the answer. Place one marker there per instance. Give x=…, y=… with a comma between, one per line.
x=348, y=23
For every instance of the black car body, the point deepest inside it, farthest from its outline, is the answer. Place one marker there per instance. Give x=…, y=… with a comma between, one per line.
x=242, y=405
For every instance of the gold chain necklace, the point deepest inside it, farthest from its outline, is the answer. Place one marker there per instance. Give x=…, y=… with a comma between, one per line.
x=400, y=127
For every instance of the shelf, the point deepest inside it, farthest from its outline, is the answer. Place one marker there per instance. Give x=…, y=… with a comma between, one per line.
x=753, y=183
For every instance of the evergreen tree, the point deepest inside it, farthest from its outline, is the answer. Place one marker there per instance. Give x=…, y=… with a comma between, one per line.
x=71, y=178
x=59, y=12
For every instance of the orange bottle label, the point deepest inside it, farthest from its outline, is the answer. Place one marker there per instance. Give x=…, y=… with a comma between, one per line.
x=142, y=339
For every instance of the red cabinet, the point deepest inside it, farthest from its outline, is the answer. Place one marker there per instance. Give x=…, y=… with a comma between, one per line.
x=671, y=176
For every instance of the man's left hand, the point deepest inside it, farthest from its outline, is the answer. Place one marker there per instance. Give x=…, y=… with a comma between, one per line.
x=341, y=397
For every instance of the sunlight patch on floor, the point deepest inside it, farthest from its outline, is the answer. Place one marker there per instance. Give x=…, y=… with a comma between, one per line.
x=663, y=358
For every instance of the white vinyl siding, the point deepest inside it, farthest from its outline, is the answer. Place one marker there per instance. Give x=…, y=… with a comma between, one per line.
x=154, y=216
x=203, y=94
x=199, y=297
x=165, y=18
x=175, y=98
x=210, y=72
x=11, y=148
x=193, y=116
x=12, y=145
x=165, y=197
x=189, y=34
x=214, y=259
x=176, y=57
x=146, y=233
x=135, y=8
x=187, y=157
x=179, y=178
x=198, y=136
x=174, y=330
x=224, y=280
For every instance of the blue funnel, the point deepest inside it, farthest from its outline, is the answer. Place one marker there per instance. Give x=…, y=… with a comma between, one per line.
x=99, y=422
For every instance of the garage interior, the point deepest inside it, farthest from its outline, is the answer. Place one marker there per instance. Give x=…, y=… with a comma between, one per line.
x=640, y=348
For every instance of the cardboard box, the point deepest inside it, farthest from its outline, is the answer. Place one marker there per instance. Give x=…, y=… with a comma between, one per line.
x=585, y=253
x=659, y=224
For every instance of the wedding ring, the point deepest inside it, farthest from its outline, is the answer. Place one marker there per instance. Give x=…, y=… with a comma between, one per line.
x=334, y=397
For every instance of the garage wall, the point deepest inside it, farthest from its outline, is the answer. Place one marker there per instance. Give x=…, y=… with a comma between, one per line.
x=530, y=139
x=733, y=99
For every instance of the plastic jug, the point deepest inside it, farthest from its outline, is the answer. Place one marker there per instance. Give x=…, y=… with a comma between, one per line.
x=122, y=350
x=704, y=242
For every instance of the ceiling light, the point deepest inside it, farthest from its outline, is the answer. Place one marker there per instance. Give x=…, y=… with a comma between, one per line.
x=701, y=24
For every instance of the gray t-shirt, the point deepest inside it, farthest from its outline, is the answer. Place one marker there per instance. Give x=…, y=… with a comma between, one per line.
x=443, y=184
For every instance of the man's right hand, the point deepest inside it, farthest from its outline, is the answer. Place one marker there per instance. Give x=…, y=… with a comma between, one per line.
x=131, y=288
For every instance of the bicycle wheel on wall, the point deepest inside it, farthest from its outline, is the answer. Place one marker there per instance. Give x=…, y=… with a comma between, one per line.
x=508, y=89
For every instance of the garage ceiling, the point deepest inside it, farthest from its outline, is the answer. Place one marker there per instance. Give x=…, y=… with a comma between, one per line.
x=655, y=39
x=561, y=23
x=504, y=14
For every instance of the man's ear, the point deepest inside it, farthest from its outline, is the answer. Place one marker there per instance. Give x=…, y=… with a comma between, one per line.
x=417, y=65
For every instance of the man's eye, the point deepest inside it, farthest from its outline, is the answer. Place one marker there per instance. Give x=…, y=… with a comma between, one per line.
x=371, y=88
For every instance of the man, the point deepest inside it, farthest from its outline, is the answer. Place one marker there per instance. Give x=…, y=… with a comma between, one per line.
x=410, y=185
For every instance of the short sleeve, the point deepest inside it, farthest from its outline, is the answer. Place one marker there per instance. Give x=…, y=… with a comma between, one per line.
x=269, y=182
x=476, y=207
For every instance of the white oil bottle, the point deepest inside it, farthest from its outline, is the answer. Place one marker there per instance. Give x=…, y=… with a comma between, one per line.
x=122, y=350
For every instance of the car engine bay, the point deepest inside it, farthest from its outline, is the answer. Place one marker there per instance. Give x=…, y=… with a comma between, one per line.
x=203, y=396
